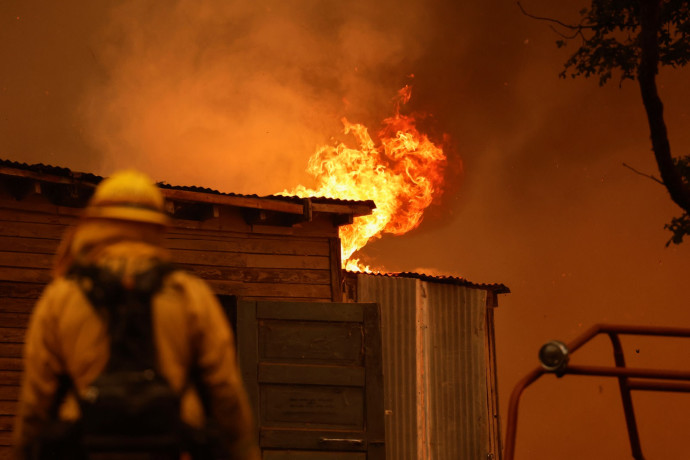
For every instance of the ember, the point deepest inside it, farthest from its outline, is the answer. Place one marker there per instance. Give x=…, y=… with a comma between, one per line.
x=403, y=174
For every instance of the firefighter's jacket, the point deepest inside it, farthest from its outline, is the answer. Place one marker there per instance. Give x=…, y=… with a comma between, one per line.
x=67, y=336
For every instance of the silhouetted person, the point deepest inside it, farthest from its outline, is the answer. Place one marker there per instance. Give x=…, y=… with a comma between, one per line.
x=118, y=320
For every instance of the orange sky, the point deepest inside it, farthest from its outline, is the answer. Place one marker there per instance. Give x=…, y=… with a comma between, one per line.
x=236, y=96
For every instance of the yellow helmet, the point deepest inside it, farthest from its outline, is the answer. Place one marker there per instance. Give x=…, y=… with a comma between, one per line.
x=128, y=195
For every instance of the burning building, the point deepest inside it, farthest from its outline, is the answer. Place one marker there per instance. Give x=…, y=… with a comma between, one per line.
x=337, y=365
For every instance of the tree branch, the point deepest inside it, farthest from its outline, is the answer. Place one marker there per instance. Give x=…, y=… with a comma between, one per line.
x=646, y=76
x=575, y=33
x=577, y=28
x=643, y=174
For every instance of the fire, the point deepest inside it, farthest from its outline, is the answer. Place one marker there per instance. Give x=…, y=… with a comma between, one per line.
x=402, y=175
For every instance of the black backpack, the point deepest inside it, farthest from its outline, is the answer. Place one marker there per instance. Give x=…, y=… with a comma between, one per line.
x=130, y=408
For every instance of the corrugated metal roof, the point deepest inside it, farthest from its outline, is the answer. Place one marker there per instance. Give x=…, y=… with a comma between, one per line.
x=51, y=170
x=497, y=288
x=94, y=179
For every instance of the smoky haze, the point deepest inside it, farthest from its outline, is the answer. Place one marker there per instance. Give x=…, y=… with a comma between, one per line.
x=237, y=95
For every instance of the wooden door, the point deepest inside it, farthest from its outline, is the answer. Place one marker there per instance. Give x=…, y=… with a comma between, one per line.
x=313, y=374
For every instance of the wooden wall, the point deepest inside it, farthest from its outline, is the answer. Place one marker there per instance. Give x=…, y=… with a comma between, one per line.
x=299, y=263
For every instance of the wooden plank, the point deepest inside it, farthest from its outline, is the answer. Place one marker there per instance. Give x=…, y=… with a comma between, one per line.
x=290, y=246
x=37, y=204
x=54, y=215
x=355, y=209
x=10, y=364
x=33, y=245
x=260, y=275
x=5, y=438
x=270, y=290
x=26, y=260
x=248, y=352
x=9, y=392
x=6, y=453
x=16, y=305
x=20, y=290
x=223, y=259
x=374, y=382
x=311, y=406
x=12, y=335
x=42, y=177
x=236, y=201
x=236, y=227
x=311, y=374
x=336, y=270
x=321, y=227
x=209, y=226
x=10, y=377
x=286, y=261
x=14, y=319
x=311, y=342
x=311, y=311
x=272, y=230
x=8, y=407
x=32, y=229
x=311, y=455
x=25, y=275
x=6, y=423
x=494, y=424
x=230, y=259
x=275, y=438
x=11, y=350
x=284, y=299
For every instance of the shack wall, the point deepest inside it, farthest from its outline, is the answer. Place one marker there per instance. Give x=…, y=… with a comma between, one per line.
x=439, y=374
x=261, y=262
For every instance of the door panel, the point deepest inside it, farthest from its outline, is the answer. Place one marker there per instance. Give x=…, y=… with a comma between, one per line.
x=311, y=455
x=313, y=373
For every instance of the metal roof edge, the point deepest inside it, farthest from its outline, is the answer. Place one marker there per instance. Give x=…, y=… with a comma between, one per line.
x=496, y=288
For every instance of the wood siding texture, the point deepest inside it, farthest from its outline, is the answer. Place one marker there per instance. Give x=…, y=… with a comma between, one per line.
x=315, y=373
x=294, y=263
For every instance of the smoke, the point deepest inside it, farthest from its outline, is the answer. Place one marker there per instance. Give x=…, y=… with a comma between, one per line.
x=237, y=95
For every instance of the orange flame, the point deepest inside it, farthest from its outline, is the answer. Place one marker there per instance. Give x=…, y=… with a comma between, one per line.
x=402, y=176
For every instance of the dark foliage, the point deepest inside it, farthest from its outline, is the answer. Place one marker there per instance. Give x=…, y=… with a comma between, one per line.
x=609, y=33
x=630, y=39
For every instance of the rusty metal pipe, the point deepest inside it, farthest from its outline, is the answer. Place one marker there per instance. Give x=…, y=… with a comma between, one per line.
x=661, y=331
x=626, y=399
x=606, y=371
x=623, y=374
x=511, y=428
x=643, y=385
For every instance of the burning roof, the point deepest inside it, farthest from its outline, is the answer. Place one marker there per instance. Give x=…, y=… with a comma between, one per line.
x=291, y=204
x=55, y=175
x=400, y=168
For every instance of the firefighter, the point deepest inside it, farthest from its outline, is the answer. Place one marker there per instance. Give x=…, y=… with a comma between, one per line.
x=121, y=231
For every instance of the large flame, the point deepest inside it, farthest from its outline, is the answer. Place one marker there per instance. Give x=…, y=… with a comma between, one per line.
x=402, y=176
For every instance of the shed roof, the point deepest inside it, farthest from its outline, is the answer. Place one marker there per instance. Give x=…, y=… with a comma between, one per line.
x=287, y=204
x=496, y=288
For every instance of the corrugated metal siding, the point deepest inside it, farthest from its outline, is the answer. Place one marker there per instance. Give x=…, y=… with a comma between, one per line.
x=434, y=366
x=457, y=379
x=396, y=297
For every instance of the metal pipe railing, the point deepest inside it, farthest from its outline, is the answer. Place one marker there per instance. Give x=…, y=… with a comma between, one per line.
x=644, y=379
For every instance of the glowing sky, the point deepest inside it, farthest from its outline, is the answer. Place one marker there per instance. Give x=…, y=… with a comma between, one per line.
x=236, y=96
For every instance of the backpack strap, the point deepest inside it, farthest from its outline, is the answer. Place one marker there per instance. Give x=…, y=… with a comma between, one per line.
x=126, y=310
